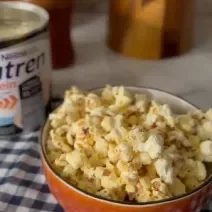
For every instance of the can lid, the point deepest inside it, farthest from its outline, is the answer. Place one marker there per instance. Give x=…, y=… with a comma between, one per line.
x=22, y=9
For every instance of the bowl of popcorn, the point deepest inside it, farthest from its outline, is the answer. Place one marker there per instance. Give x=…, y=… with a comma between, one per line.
x=120, y=149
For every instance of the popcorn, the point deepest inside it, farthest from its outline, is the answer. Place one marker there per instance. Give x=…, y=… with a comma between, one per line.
x=60, y=162
x=194, y=141
x=191, y=183
x=99, y=172
x=129, y=176
x=168, y=115
x=53, y=155
x=122, y=166
x=204, y=130
x=110, y=182
x=122, y=97
x=172, y=152
x=120, y=145
x=186, y=123
x=59, y=142
x=92, y=121
x=145, y=183
x=105, y=193
x=69, y=137
x=154, y=146
x=101, y=146
x=117, y=134
x=141, y=102
x=177, y=187
x=107, y=95
x=145, y=158
x=201, y=172
x=159, y=189
x=83, y=147
x=136, y=162
x=92, y=101
x=137, y=139
x=99, y=111
x=95, y=160
x=130, y=188
x=107, y=123
x=78, y=99
x=57, y=121
x=151, y=171
x=112, y=153
x=206, y=150
x=208, y=115
x=165, y=170
x=187, y=168
x=150, y=120
x=75, y=159
x=143, y=197
x=68, y=171
x=126, y=153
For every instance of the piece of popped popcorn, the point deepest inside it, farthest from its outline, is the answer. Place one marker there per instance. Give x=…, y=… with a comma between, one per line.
x=75, y=159
x=145, y=158
x=137, y=139
x=172, y=152
x=165, y=170
x=130, y=188
x=201, y=172
x=110, y=182
x=208, y=114
x=100, y=146
x=126, y=152
x=122, y=97
x=150, y=120
x=167, y=114
x=154, y=146
x=206, y=150
x=92, y=101
x=117, y=134
x=142, y=102
x=68, y=171
x=159, y=189
x=129, y=176
x=59, y=142
x=204, y=130
x=186, y=123
x=107, y=95
x=144, y=183
x=177, y=187
x=108, y=123
x=191, y=183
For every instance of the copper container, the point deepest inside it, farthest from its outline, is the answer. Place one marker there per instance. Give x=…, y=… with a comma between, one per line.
x=150, y=29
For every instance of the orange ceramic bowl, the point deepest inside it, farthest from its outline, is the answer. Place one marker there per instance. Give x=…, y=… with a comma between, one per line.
x=73, y=199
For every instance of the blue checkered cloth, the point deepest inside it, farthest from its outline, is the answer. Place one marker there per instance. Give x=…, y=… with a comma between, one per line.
x=23, y=186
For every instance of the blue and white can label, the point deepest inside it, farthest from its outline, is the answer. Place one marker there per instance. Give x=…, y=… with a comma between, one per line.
x=25, y=76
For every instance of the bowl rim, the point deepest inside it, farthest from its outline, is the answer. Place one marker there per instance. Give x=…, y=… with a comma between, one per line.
x=114, y=202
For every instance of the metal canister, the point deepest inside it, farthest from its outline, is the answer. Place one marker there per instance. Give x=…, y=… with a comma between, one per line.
x=25, y=67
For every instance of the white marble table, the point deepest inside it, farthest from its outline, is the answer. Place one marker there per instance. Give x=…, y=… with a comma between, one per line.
x=189, y=76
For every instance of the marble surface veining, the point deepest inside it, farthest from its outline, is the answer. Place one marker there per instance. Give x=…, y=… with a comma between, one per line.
x=189, y=76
